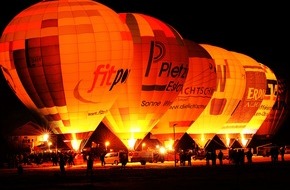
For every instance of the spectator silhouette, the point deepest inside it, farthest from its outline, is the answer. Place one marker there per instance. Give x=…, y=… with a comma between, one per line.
x=188, y=157
x=213, y=157
x=220, y=157
x=62, y=163
x=90, y=164
x=182, y=157
x=282, y=152
x=19, y=169
x=241, y=156
x=71, y=157
x=102, y=158
x=54, y=159
x=274, y=152
x=124, y=158
x=207, y=157
x=249, y=156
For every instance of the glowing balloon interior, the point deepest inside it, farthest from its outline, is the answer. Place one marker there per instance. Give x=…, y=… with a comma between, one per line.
x=68, y=59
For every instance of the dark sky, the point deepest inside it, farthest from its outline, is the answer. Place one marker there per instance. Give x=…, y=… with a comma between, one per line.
x=257, y=29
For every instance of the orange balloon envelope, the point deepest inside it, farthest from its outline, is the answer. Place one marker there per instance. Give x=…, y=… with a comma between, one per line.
x=197, y=91
x=68, y=59
x=157, y=75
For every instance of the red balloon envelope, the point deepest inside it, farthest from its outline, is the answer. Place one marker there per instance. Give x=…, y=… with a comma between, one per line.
x=158, y=73
x=197, y=91
x=269, y=99
x=68, y=59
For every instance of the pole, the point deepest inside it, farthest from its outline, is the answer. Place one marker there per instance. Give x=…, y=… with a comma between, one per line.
x=174, y=145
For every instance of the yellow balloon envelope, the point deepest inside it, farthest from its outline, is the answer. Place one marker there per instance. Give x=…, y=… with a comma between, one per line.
x=68, y=59
x=158, y=74
x=231, y=83
x=250, y=102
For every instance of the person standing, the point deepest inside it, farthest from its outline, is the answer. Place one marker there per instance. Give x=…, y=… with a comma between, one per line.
x=62, y=163
x=207, y=157
x=188, y=157
x=220, y=157
x=282, y=152
x=102, y=158
x=249, y=156
x=124, y=158
x=90, y=164
x=213, y=157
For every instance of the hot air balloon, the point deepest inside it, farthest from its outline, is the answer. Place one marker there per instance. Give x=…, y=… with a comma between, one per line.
x=68, y=59
x=250, y=102
x=269, y=99
x=158, y=73
x=197, y=91
x=278, y=114
x=231, y=82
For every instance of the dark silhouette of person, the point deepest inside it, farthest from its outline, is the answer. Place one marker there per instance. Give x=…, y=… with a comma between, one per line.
x=19, y=169
x=188, y=157
x=207, y=158
x=231, y=156
x=123, y=158
x=213, y=158
x=90, y=164
x=102, y=158
x=249, y=156
x=182, y=157
x=54, y=159
x=62, y=163
x=220, y=157
x=274, y=152
x=71, y=157
x=282, y=152
x=241, y=156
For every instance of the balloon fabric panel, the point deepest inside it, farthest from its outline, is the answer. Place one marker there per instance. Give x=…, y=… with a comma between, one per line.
x=157, y=74
x=198, y=89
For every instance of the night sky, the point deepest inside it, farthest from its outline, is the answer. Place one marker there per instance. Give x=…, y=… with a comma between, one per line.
x=258, y=30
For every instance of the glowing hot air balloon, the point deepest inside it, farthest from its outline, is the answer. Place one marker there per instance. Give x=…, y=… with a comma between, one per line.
x=68, y=59
x=231, y=84
x=278, y=114
x=157, y=75
x=249, y=104
x=197, y=91
x=269, y=98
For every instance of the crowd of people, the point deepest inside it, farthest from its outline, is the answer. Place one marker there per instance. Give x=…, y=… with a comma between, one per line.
x=238, y=156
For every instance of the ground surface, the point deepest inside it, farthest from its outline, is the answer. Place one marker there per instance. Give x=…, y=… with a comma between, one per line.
x=259, y=175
